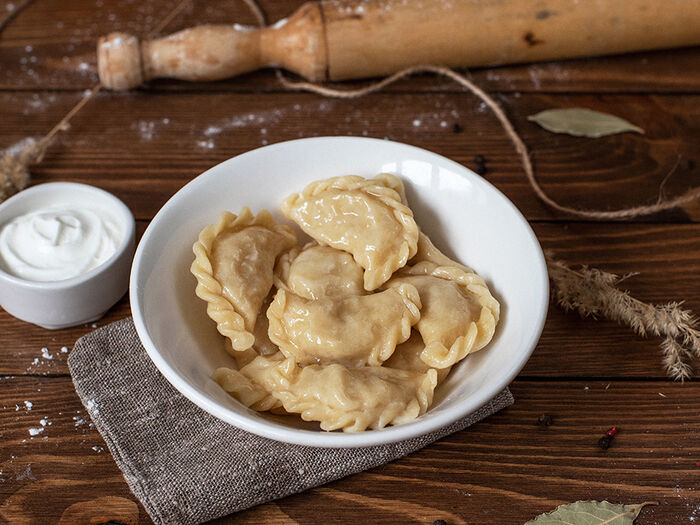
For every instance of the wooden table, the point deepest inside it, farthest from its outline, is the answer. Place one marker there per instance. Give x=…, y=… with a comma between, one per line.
x=588, y=375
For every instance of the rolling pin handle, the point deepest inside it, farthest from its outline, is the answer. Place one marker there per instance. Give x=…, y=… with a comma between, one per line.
x=119, y=61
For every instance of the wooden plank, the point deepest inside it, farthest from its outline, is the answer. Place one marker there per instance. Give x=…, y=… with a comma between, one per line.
x=51, y=45
x=503, y=470
x=66, y=464
x=570, y=346
x=667, y=258
x=144, y=147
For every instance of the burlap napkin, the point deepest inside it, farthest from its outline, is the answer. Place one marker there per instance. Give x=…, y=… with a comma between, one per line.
x=185, y=465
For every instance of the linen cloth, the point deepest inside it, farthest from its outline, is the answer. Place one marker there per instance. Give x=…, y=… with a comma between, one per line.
x=185, y=465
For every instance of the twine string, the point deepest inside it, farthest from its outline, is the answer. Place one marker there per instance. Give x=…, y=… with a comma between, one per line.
x=521, y=149
x=169, y=18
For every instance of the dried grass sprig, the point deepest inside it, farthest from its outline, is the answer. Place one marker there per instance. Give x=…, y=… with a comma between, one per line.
x=594, y=293
x=15, y=162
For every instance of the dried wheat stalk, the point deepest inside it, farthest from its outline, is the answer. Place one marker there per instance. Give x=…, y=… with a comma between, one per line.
x=14, y=165
x=594, y=293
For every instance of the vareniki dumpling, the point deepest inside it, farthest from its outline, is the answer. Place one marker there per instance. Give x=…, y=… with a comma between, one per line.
x=458, y=314
x=354, y=399
x=407, y=356
x=319, y=271
x=338, y=397
x=248, y=384
x=353, y=330
x=363, y=217
x=234, y=262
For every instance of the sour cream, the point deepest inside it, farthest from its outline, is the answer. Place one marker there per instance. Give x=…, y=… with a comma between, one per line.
x=58, y=242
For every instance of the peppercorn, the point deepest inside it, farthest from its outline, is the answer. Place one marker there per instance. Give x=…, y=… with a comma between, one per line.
x=439, y=522
x=480, y=162
x=605, y=442
x=686, y=164
x=457, y=128
x=544, y=420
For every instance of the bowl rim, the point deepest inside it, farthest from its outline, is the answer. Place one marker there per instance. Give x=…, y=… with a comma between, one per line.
x=323, y=439
x=127, y=217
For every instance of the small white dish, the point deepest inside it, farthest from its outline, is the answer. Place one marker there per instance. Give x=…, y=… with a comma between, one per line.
x=81, y=299
x=464, y=215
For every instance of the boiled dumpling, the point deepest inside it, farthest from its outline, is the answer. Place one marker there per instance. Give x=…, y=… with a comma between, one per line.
x=458, y=316
x=234, y=261
x=352, y=330
x=319, y=271
x=351, y=399
x=354, y=399
x=363, y=217
x=406, y=356
x=248, y=384
x=262, y=344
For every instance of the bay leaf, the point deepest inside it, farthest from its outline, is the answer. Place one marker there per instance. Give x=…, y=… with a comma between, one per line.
x=581, y=122
x=591, y=513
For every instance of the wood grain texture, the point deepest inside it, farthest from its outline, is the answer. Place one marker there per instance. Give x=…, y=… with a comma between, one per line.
x=569, y=346
x=503, y=470
x=144, y=147
x=62, y=40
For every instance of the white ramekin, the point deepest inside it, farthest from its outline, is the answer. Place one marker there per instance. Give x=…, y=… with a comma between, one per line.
x=81, y=299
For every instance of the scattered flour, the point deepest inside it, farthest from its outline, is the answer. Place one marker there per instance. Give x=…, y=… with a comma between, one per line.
x=145, y=128
x=212, y=130
x=45, y=353
x=38, y=102
x=26, y=474
x=533, y=73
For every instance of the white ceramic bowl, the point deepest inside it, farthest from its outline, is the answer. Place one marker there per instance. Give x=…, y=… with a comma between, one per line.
x=81, y=299
x=464, y=215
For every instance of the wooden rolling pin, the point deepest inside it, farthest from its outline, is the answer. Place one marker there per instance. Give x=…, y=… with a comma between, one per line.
x=343, y=39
